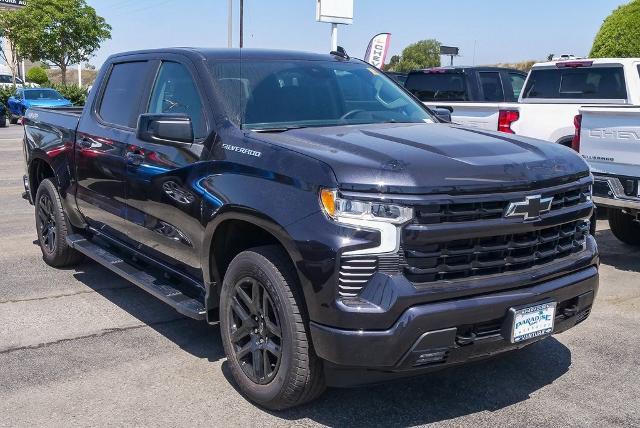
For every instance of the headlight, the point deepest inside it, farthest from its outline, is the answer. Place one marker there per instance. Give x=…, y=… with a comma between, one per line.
x=338, y=208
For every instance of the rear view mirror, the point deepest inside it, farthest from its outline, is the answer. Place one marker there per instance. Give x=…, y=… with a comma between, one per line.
x=442, y=113
x=165, y=128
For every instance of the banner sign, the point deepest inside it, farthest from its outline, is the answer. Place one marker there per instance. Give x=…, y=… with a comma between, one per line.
x=377, y=50
x=13, y=3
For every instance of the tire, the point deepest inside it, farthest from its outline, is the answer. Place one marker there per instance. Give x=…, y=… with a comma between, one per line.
x=13, y=119
x=3, y=121
x=296, y=377
x=53, y=227
x=624, y=227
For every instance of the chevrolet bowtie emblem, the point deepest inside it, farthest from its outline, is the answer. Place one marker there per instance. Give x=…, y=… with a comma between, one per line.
x=531, y=208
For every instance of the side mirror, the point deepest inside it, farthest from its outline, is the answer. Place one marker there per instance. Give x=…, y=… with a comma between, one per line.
x=442, y=113
x=165, y=128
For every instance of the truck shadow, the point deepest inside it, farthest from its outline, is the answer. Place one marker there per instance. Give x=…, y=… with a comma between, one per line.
x=616, y=254
x=484, y=386
x=196, y=337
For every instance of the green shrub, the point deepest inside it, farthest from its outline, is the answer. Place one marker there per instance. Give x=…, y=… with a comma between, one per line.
x=74, y=93
x=5, y=93
x=618, y=36
x=37, y=75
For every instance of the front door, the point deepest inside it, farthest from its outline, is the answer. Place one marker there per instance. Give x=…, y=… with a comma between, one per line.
x=164, y=211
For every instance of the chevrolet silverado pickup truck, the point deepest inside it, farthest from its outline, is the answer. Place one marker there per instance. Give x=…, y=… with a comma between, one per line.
x=337, y=231
x=473, y=95
x=609, y=139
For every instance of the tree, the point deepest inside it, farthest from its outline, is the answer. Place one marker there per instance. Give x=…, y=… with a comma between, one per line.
x=60, y=32
x=9, y=30
x=393, y=63
x=423, y=54
x=37, y=75
x=618, y=36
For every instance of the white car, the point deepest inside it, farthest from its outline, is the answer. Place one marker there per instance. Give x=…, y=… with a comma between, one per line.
x=555, y=91
x=552, y=95
x=609, y=139
x=7, y=80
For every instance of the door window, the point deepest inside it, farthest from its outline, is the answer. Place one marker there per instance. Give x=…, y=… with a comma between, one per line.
x=491, y=86
x=121, y=100
x=175, y=92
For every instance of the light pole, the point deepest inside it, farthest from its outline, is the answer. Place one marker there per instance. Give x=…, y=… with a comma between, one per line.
x=230, y=25
x=241, y=23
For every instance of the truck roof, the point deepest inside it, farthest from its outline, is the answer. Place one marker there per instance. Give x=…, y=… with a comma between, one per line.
x=623, y=61
x=232, y=53
x=463, y=68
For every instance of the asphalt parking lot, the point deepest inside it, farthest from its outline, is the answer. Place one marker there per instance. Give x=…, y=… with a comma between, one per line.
x=83, y=347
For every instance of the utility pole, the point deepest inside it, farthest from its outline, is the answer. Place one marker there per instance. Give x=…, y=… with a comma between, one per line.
x=241, y=23
x=334, y=37
x=80, y=75
x=230, y=25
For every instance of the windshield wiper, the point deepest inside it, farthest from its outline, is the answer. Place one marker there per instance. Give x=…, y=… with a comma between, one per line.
x=276, y=130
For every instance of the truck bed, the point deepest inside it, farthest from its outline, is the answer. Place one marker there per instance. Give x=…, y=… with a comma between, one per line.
x=64, y=119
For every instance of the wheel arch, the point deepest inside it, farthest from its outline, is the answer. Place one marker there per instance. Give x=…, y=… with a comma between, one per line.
x=218, y=251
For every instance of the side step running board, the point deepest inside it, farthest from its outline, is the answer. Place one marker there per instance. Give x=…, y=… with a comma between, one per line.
x=159, y=288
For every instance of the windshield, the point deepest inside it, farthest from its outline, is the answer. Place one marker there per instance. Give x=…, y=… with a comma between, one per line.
x=42, y=94
x=284, y=94
x=437, y=86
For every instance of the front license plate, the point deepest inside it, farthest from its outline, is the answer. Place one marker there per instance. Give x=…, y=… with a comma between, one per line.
x=533, y=321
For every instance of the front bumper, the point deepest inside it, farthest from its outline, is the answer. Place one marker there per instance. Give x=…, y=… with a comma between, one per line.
x=445, y=333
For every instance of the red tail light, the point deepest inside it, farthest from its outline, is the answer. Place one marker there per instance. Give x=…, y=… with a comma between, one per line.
x=506, y=119
x=575, y=143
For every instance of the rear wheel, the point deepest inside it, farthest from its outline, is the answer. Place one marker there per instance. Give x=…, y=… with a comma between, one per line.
x=264, y=333
x=53, y=227
x=624, y=227
x=13, y=119
x=3, y=121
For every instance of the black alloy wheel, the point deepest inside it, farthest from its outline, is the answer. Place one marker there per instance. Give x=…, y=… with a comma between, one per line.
x=47, y=223
x=255, y=331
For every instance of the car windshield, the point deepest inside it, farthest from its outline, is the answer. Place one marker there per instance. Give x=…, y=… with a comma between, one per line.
x=42, y=94
x=284, y=94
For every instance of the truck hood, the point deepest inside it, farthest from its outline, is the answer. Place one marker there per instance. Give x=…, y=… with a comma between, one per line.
x=426, y=158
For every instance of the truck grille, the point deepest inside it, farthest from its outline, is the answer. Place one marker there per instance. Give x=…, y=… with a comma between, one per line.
x=476, y=257
x=492, y=208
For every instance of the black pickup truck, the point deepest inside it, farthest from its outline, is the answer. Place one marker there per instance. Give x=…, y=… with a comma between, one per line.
x=337, y=230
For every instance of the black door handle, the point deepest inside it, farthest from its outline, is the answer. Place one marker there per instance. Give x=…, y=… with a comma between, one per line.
x=134, y=159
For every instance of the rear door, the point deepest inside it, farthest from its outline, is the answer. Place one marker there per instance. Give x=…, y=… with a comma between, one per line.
x=163, y=208
x=101, y=143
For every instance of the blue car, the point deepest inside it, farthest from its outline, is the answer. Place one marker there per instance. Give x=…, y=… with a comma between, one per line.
x=35, y=97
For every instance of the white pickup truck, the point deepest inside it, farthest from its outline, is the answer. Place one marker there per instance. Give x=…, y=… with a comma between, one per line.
x=552, y=95
x=609, y=139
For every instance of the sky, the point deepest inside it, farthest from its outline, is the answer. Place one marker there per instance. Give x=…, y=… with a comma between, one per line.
x=487, y=31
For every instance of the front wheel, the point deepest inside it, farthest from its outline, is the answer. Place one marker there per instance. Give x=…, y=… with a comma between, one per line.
x=264, y=333
x=624, y=227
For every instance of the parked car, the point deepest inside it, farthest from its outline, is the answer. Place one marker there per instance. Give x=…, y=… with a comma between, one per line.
x=555, y=91
x=401, y=78
x=472, y=94
x=25, y=98
x=337, y=230
x=609, y=139
x=6, y=80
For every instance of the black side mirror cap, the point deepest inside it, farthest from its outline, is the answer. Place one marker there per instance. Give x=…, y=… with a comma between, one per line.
x=442, y=113
x=165, y=128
